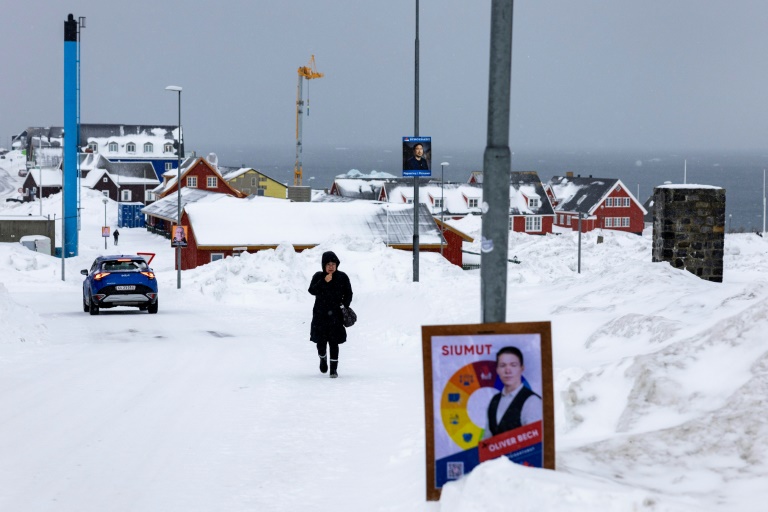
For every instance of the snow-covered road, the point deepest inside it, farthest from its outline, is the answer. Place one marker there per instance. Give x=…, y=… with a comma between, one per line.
x=195, y=409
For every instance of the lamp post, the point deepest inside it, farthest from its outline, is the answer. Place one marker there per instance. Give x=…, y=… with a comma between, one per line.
x=442, y=205
x=40, y=174
x=177, y=89
x=105, y=222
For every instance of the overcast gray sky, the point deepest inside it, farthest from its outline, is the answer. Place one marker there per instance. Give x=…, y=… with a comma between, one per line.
x=587, y=74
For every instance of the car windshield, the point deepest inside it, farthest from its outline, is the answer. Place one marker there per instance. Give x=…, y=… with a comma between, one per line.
x=125, y=265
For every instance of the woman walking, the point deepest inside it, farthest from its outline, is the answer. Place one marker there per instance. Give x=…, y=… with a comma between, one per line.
x=331, y=289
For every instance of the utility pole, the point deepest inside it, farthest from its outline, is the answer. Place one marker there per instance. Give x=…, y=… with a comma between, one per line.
x=497, y=166
x=416, y=134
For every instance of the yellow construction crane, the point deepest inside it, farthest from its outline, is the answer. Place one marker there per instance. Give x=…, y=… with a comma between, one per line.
x=305, y=72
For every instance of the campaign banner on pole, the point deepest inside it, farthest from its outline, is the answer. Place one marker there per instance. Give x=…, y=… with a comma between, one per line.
x=179, y=238
x=105, y=231
x=488, y=393
x=417, y=156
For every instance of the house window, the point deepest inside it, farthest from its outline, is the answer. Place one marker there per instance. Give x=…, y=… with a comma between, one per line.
x=533, y=202
x=609, y=202
x=125, y=195
x=211, y=182
x=260, y=192
x=472, y=203
x=149, y=196
x=93, y=147
x=626, y=201
x=511, y=223
x=568, y=220
x=625, y=222
x=409, y=201
x=148, y=148
x=105, y=180
x=105, y=193
x=168, y=166
x=262, y=178
x=130, y=147
x=192, y=181
x=609, y=222
x=113, y=147
x=168, y=148
x=533, y=223
x=438, y=202
x=216, y=256
x=254, y=182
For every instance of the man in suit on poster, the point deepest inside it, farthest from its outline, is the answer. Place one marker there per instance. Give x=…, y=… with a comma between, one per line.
x=516, y=405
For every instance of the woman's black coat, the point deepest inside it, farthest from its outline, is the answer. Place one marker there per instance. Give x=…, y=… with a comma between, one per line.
x=327, y=319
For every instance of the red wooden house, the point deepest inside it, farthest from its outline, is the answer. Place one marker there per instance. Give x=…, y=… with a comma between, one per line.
x=602, y=203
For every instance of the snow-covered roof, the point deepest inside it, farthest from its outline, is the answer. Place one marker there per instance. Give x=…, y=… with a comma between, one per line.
x=580, y=194
x=583, y=195
x=373, y=175
x=167, y=207
x=103, y=134
x=51, y=177
x=232, y=222
x=523, y=186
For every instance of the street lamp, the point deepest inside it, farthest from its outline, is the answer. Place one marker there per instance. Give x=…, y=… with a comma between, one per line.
x=442, y=204
x=176, y=88
x=105, y=222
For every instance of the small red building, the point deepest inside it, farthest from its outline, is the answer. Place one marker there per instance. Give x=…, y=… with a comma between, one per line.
x=228, y=227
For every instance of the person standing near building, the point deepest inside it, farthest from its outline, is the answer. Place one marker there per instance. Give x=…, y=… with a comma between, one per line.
x=116, y=235
x=331, y=289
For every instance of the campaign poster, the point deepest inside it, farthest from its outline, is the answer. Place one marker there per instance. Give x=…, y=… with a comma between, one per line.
x=488, y=394
x=105, y=231
x=178, y=236
x=417, y=156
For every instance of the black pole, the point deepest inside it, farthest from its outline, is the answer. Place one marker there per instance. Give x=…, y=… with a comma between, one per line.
x=416, y=178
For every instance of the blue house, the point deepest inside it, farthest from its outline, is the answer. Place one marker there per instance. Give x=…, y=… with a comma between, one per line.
x=157, y=145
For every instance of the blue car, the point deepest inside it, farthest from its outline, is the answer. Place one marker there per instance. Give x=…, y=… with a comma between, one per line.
x=122, y=280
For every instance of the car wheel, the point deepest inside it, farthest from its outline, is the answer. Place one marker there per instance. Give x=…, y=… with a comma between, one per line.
x=153, y=307
x=94, y=309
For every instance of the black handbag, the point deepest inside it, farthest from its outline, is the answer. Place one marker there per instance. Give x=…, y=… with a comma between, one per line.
x=350, y=317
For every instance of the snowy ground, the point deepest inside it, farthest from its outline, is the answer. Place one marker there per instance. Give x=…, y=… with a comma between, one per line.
x=216, y=404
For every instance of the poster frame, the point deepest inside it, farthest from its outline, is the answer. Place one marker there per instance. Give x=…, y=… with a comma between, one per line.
x=429, y=332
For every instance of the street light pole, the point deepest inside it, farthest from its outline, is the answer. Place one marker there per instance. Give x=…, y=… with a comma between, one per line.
x=105, y=223
x=176, y=88
x=442, y=205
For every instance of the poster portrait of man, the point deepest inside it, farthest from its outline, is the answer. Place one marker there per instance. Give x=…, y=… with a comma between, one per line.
x=417, y=156
x=179, y=236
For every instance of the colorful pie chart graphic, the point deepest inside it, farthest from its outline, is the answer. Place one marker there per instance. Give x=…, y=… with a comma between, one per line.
x=453, y=405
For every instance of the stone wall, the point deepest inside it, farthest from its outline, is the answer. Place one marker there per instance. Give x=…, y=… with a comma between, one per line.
x=689, y=228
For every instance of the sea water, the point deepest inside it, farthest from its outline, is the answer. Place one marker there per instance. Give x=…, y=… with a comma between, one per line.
x=739, y=173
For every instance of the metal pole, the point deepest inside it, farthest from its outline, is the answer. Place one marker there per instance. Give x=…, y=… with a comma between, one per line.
x=178, y=198
x=497, y=166
x=763, y=201
x=416, y=134
x=578, y=271
x=442, y=204
x=105, y=224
